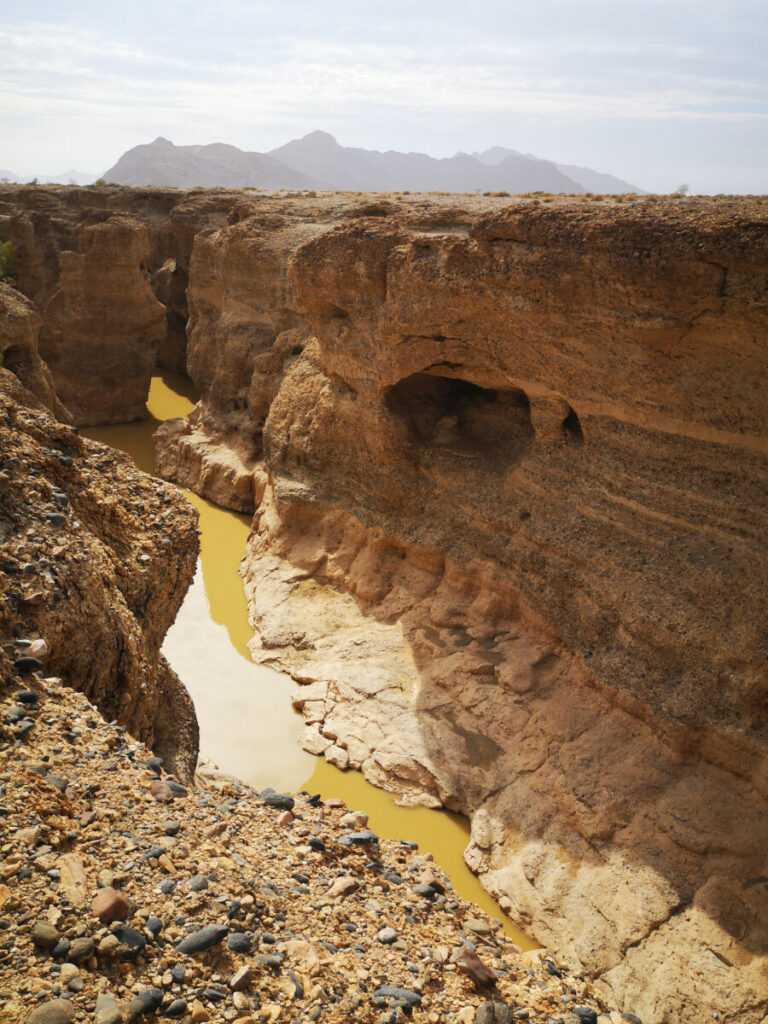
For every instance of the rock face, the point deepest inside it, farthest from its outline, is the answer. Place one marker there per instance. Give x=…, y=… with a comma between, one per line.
x=19, y=354
x=107, y=271
x=508, y=463
x=516, y=465
x=96, y=558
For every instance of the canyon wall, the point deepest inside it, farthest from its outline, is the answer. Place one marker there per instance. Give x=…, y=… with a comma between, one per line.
x=95, y=559
x=508, y=466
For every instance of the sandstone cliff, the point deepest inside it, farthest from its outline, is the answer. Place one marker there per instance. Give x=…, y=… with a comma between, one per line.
x=513, y=531
x=96, y=559
x=107, y=271
x=508, y=467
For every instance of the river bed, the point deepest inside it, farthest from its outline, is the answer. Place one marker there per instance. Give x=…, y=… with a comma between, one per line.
x=247, y=724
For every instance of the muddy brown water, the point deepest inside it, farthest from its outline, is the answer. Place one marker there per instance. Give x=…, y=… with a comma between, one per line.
x=247, y=724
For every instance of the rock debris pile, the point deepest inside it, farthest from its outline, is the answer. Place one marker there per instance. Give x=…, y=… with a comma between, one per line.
x=125, y=895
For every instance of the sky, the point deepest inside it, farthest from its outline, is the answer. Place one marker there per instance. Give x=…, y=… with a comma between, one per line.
x=657, y=93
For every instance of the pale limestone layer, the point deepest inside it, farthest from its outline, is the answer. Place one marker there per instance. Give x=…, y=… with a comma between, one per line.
x=189, y=455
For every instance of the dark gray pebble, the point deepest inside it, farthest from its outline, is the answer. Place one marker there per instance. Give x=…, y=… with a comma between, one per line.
x=61, y=949
x=238, y=942
x=166, y=886
x=279, y=800
x=24, y=666
x=400, y=994
x=177, y=1008
x=27, y=696
x=153, y=854
x=204, y=939
x=585, y=1014
x=359, y=838
x=132, y=941
x=198, y=882
x=151, y=998
x=213, y=995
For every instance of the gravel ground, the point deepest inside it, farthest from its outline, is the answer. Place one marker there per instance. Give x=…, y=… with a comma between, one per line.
x=112, y=873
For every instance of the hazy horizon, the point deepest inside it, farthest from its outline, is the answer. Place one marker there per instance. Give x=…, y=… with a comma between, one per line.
x=654, y=94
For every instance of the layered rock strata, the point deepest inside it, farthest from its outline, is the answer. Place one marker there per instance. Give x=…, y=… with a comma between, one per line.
x=513, y=534
x=95, y=557
x=107, y=270
x=508, y=463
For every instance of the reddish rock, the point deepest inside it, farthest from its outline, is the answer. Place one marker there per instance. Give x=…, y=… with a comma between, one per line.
x=110, y=905
x=470, y=963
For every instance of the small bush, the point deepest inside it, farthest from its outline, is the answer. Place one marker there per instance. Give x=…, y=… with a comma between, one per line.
x=5, y=260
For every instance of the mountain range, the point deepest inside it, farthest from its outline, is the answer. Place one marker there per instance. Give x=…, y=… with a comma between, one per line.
x=317, y=161
x=70, y=177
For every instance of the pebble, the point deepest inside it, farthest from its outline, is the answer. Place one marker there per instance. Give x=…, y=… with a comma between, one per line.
x=55, y=1011
x=132, y=943
x=110, y=905
x=585, y=1014
x=238, y=942
x=107, y=1010
x=404, y=995
x=197, y=883
x=470, y=963
x=80, y=949
x=241, y=979
x=281, y=800
x=44, y=935
x=387, y=936
x=358, y=838
x=203, y=939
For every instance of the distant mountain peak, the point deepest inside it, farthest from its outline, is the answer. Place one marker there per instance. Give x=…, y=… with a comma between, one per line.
x=319, y=136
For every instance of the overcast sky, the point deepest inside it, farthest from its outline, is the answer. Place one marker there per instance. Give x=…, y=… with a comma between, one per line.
x=658, y=93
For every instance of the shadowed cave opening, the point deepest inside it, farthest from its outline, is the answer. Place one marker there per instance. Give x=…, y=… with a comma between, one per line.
x=571, y=426
x=463, y=419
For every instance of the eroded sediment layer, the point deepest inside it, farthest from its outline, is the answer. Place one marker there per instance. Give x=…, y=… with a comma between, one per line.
x=514, y=534
x=96, y=558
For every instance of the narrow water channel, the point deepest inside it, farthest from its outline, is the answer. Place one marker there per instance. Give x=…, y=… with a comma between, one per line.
x=247, y=724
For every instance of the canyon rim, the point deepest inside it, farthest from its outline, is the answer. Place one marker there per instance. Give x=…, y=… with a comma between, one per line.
x=506, y=459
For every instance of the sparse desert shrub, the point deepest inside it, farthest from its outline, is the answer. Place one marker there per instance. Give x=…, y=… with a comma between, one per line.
x=5, y=260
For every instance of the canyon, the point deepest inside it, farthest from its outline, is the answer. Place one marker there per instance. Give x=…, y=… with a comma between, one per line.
x=506, y=461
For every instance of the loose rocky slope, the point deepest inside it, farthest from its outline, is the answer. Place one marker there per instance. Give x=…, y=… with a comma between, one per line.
x=95, y=557
x=508, y=463
x=126, y=896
